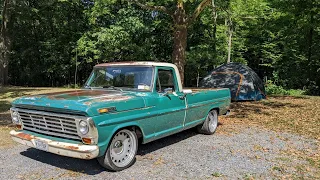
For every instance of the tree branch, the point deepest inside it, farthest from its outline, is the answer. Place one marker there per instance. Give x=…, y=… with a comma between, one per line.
x=198, y=10
x=148, y=7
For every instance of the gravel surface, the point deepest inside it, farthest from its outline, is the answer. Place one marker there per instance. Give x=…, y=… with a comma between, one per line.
x=250, y=153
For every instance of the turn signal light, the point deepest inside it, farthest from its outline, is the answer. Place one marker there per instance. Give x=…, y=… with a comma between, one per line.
x=86, y=140
x=19, y=126
x=107, y=110
x=104, y=110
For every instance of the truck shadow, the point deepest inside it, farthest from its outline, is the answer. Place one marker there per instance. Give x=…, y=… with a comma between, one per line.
x=92, y=167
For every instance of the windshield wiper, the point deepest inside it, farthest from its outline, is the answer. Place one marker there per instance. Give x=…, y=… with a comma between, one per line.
x=112, y=87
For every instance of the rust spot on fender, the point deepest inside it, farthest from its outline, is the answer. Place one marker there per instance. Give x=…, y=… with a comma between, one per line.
x=25, y=136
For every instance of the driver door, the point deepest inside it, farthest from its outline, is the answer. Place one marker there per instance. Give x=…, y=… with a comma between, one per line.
x=171, y=109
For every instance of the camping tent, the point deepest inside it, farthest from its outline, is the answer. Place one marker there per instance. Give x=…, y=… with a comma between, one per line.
x=242, y=81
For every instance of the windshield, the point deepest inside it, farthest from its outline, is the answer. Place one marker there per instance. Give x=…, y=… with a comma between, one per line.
x=121, y=78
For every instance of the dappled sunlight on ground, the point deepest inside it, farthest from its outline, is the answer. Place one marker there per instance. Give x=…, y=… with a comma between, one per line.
x=299, y=115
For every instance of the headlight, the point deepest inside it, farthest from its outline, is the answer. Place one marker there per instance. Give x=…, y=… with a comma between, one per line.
x=83, y=127
x=15, y=118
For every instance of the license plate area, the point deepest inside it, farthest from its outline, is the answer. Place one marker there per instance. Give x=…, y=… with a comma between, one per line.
x=41, y=145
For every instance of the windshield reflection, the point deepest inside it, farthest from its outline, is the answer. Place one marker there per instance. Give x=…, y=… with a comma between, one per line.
x=121, y=78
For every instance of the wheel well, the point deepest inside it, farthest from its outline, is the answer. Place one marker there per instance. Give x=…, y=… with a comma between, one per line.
x=218, y=110
x=137, y=130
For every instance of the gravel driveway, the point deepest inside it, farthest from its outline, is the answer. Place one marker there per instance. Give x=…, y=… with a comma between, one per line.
x=249, y=153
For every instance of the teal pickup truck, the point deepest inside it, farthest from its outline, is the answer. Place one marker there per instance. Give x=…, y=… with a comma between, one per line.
x=121, y=104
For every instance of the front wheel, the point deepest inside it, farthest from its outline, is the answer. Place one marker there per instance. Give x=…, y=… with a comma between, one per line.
x=121, y=151
x=210, y=124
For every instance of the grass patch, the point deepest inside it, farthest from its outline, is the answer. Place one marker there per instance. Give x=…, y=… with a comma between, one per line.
x=217, y=174
x=279, y=169
x=248, y=176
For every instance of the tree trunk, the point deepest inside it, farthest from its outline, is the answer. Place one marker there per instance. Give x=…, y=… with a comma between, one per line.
x=5, y=43
x=229, y=46
x=180, y=34
x=180, y=39
x=230, y=31
x=214, y=35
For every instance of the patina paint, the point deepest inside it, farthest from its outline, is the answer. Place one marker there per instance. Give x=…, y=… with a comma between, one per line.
x=88, y=101
x=199, y=104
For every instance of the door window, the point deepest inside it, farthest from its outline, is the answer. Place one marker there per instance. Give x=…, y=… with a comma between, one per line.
x=165, y=79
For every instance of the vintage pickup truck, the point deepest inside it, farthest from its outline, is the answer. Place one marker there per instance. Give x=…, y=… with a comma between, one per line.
x=121, y=105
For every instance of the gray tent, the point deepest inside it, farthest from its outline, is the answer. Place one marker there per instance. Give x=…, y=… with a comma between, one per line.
x=242, y=81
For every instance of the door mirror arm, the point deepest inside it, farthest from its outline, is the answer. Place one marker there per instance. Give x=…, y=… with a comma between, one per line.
x=183, y=96
x=167, y=91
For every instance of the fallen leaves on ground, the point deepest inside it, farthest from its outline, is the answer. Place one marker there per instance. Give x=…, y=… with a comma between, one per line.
x=295, y=115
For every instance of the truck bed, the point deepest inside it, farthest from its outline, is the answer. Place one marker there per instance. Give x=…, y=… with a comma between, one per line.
x=195, y=89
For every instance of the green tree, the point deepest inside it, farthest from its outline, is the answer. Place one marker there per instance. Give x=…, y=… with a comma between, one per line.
x=5, y=39
x=45, y=35
x=181, y=15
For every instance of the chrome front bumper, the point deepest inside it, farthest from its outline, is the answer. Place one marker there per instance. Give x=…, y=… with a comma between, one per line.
x=80, y=151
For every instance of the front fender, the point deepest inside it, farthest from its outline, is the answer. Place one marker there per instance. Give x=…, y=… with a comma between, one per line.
x=106, y=133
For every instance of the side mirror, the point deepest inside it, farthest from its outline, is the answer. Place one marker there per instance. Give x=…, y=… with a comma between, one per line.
x=185, y=93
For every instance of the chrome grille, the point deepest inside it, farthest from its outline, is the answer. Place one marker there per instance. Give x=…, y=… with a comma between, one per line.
x=49, y=124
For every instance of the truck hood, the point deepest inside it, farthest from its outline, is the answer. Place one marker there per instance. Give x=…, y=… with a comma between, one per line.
x=86, y=101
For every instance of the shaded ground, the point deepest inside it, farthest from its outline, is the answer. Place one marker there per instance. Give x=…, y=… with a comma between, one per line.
x=272, y=139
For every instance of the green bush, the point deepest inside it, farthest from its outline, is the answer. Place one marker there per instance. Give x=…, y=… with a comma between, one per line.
x=272, y=89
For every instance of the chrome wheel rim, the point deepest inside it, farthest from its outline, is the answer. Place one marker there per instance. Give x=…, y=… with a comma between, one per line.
x=213, y=121
x=123, y=148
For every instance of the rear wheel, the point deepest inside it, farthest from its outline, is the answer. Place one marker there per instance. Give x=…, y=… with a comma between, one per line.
x=210, y=124
x=121, y=151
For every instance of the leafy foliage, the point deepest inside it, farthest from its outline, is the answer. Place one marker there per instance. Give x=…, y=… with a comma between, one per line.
x=272, y=89
x=278, y=39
